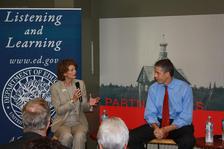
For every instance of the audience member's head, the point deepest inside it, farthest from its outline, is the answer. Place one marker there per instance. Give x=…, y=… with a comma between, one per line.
x=36, y=116
x=113, y=134
x=43, y=143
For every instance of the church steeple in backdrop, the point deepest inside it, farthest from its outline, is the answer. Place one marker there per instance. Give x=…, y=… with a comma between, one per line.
x=163, y=45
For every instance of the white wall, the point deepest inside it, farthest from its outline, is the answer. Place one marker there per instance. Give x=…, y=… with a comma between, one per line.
x=195, y=44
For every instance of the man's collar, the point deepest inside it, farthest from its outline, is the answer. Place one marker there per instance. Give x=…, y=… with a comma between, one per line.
x=172, y=83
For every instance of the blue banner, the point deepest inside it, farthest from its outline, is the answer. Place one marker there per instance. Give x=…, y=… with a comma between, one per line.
x=32, y=42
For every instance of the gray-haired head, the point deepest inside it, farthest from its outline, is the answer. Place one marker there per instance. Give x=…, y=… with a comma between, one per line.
x=113, y=134
x=36, y=115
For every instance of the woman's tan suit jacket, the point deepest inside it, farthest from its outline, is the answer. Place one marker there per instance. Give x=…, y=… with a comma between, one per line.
x=61, y=100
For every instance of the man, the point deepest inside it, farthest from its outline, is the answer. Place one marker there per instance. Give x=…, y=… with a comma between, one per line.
x=36, y=121
x=176, y=120
x=113, y=134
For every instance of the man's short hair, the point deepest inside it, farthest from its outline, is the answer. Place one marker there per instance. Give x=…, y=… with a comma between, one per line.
x=166, y=65
x=113, y=134
x=35, y=115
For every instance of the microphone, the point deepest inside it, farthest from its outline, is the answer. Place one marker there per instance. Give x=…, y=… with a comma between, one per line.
x=78, y=86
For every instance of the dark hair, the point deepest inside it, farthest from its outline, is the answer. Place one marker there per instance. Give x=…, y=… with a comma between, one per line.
x=166, y=65
x=43, y=143
x=62, y=67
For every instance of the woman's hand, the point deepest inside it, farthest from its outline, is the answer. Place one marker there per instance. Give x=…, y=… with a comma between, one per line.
x=93, y=101
x=76, y=95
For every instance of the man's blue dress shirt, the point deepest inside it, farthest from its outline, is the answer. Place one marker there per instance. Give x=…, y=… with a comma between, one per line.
x=180, y=103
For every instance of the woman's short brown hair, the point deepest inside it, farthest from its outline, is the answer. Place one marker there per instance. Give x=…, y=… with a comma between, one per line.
x=62, y=67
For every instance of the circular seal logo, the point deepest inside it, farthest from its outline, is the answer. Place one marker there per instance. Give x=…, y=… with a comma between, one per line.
x=23, y=86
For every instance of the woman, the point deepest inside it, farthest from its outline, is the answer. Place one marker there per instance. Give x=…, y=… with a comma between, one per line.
x=68, y=96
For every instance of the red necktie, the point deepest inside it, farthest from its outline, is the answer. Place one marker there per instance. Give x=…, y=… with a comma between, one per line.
x=165, y=114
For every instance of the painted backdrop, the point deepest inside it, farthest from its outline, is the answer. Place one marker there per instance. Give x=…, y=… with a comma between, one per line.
x=129, y=47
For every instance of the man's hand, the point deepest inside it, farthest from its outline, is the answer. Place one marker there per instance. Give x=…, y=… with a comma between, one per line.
x=160, y=133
